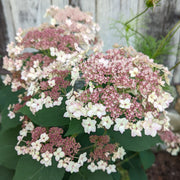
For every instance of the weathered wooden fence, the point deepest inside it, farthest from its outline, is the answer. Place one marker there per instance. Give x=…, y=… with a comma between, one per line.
x=28, y=13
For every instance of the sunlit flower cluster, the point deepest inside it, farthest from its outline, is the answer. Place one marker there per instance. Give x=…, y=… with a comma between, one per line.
x=123, y=90
x=55, y=51
x=78, y=23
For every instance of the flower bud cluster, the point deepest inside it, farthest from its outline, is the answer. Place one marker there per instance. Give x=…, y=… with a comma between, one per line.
x=124, y=89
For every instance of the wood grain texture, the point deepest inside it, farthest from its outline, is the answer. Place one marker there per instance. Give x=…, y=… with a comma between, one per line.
x=3, y=37
x=60, y=3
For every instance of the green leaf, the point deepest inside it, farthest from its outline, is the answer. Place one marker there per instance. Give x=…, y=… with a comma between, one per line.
x=8, y=123
x=75, y=127
x=97, y=175
x=30, y=169
x=147, y=158
x=85, y=174
x=8, y=156
x=9, y=137
x=47, y=117
x=137, y=174
x=76, y=176
x=133, y=143
x=8, y=97
x=6, y=174
x=116, y=176
x=134, y=168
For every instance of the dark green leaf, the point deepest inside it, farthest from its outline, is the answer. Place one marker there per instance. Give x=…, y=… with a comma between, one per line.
x=8, y=123
x=116, y=176
x=6, y=174
x=133, y=143
x=7, y=97
x=47, y=117
x=9, y=137
x=29, y=169
x=147, y=158
x=75, y=127
x=8, y=156
x=137, y=174
x=135, y=168
x=76, y=176
x=99, y=175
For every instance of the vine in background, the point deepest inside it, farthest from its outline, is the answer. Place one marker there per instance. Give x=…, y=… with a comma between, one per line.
x=147, y=44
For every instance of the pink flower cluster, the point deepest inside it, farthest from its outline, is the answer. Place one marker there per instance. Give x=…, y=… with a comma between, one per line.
x=56, y=49
x=128, y=85
x=103, y=154
x=46, y=37
x=172, y=141
x=46, y=143
x=78, y=23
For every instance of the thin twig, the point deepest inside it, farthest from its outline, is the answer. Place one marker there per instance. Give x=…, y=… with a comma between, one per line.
x=165, y=39
x=126, y=23
x=174, y=66
x=127, y=159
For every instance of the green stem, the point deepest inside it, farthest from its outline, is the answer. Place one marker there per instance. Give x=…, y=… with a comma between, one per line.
x=174, y=66
x=165, y=39
x=127, y=159
x=126, y=23
x=88, y=147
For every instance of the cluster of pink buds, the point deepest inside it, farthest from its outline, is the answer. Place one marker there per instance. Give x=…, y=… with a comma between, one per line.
x=103, y=154
x=172, y=141
x=46, y=143
x=124, y=89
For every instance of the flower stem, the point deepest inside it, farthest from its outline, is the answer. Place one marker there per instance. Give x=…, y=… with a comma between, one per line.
x=88, y=147
x=167, y=38
x=126, y=23
x=127, y=159
x=174, y=66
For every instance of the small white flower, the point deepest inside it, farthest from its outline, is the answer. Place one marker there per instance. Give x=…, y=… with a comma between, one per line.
x=89, y=125
x=102, y=165
x=53, y=21
x=82, y=158
x=59, y=154
x=91, y=87
x=111, y=168
x=125, y=103
x=151, y=128
x=23, y=132
x=44, y=137
x=68, y=22
x=62, y=163
x=152, y=97
x=48, y=102
x=47, y=158
x=119, y=154
x=21, y=118
x=36, y=145
x=136, y=129
x=72, y=167
x=29, y=126
x=92, y=167
x=106, y=122
x=58, y=102
x=121, y=124
x=11, y=115
x=134, y=72
x=52, y=83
